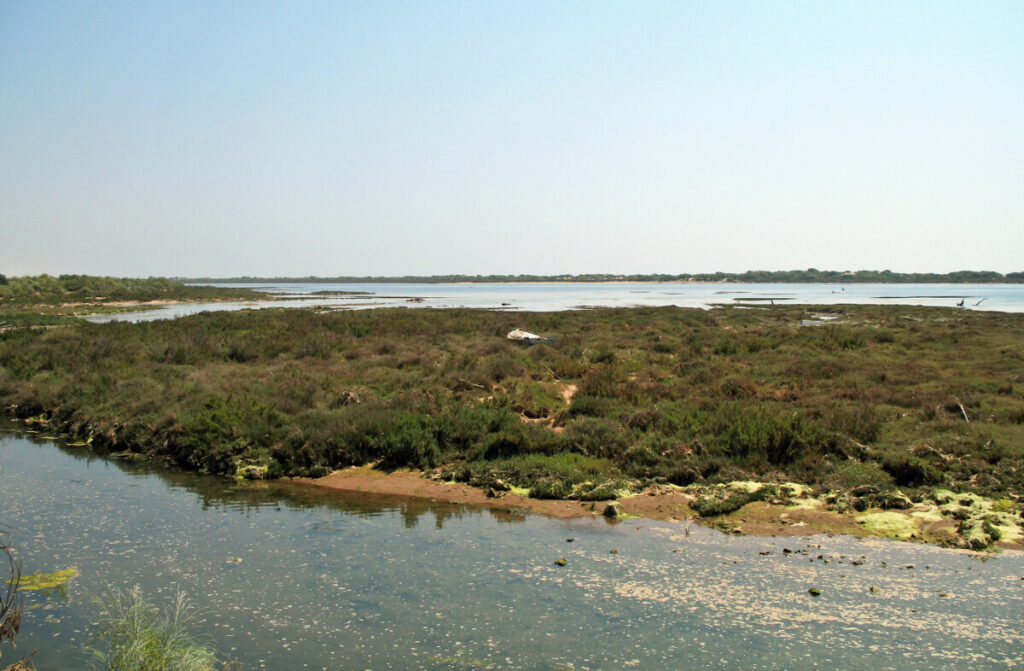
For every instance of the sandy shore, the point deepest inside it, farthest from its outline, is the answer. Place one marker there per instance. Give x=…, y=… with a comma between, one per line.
x=658, y=503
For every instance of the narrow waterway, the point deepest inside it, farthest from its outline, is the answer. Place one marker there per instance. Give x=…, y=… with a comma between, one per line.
x=289, y=578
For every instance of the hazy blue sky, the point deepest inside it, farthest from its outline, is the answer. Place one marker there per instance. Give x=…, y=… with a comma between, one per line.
x=296, y=138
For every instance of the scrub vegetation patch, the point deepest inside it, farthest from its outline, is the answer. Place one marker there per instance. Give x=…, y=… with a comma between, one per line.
x=893, y=398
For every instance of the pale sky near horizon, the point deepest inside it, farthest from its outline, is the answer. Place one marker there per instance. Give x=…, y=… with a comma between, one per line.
x=386, y=138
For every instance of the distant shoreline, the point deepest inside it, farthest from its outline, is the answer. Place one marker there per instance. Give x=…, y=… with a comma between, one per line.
x=811, y=276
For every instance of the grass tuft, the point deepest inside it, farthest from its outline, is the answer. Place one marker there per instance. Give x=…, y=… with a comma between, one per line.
x=136, y=636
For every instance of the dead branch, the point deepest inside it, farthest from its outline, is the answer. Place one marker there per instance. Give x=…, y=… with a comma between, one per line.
x=11, y=602
x=968, y=419
x=921, y=450
x=471, y=384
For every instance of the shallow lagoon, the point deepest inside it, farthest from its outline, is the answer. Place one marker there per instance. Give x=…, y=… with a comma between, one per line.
x=573, y=296
x=353, y=582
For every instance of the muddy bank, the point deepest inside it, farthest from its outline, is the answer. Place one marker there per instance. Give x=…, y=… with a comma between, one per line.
x=802, y=515
x=412, y=483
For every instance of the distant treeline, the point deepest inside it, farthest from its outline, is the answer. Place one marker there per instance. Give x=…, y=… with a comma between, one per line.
x=811, y=275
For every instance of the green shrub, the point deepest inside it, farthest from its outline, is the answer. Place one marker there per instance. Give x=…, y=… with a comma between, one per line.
x=722, y=501
x=397, y=438
x=645, y=419
x=550, y=488
x=214, y=435
x=408, y=440
x=854, y=473
x=600, y=438
x=546, y=475
x=911, y=472
x=735, y=387
x=726, y=346
x=584, y=405
x=501, y=366
x=520, y=439
x=883, y=336
x=471, y=425
x=684, y=475
x=534, y=400
x=755, y=344
x=762, y=433
x=988, y=526
x=834, y=337
x=605, y=381
x=858, y=421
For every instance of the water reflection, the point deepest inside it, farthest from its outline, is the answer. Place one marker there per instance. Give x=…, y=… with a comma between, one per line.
x=218, y=493
x=292, y=577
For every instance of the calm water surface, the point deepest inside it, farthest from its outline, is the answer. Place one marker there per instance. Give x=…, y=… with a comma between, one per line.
x=349, y=582
x=574, y=296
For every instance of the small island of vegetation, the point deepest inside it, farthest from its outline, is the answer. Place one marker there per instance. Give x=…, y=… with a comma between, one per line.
x=862, y=408
x=46, y=300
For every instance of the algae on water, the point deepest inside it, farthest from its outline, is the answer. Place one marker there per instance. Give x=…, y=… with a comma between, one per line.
x=57, y=580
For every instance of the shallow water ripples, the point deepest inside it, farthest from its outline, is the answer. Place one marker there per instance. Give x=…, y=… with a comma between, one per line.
x=289, y=582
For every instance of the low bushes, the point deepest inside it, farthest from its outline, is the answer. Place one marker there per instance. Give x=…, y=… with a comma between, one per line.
x=911, y=472
x=557, y=476
x=733, y=394
x=762, y=433
x=853, y=473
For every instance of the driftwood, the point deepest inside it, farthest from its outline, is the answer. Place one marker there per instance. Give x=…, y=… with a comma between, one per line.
x=551, y=372
x=924, y=449
x=966, y=418
x=471, y=384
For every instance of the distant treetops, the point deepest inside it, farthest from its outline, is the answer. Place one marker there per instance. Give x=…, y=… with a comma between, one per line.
x=811, y=275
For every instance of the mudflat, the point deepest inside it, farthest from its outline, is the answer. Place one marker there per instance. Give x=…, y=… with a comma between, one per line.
x=806, y=515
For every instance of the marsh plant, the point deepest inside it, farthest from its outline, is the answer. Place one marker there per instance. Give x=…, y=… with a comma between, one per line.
x=136, y=635
x=891, y=396
x=12, y=604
